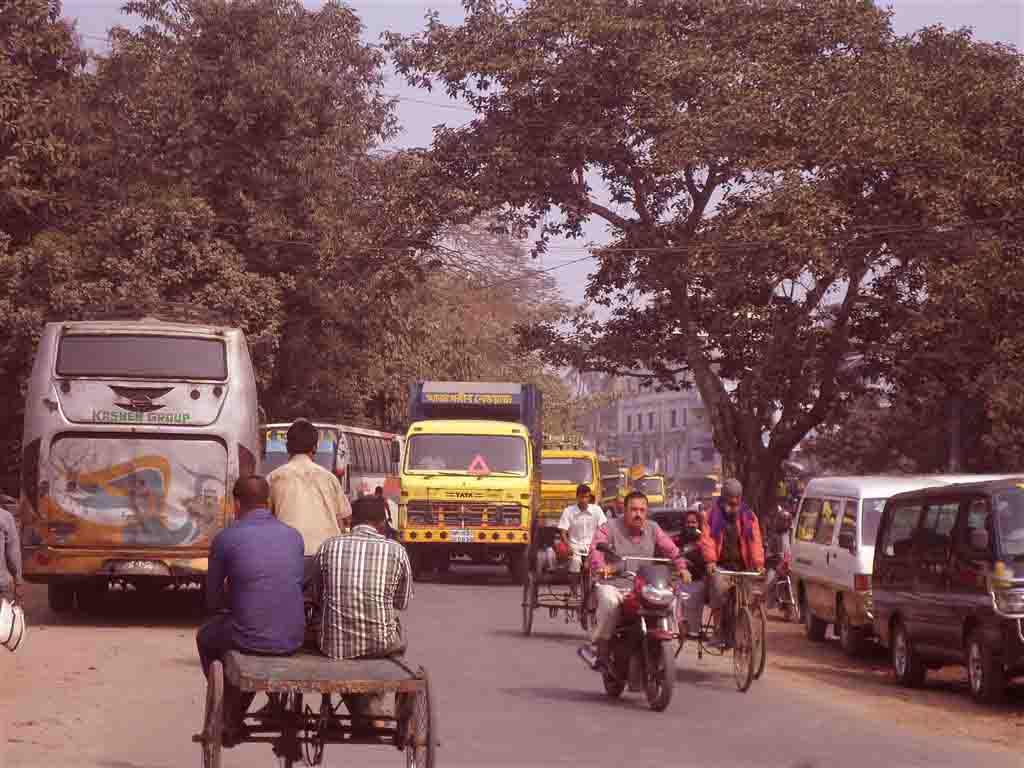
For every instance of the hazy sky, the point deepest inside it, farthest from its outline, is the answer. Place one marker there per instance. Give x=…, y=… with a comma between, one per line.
x=995, y=20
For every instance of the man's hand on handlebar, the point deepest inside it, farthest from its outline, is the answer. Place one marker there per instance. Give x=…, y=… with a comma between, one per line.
x=712, y=567
x=684, y=574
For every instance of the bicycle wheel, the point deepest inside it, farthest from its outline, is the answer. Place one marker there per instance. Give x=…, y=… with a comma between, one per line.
x=760, y=640
x=743, y=661
x=529, y=601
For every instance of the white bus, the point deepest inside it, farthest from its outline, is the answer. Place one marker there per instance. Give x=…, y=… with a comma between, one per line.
x=361, y=458
x=135, y=431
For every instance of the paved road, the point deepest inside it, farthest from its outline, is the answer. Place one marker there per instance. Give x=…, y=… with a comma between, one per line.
x=122, y=689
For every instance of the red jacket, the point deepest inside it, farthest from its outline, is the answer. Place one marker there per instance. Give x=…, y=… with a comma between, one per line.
x=751, y=546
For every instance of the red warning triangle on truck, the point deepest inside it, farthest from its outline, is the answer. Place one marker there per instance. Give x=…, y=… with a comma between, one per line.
x=478, y=466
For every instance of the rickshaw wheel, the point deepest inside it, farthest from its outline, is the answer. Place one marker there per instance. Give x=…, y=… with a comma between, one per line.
x=760, y=628
x=529, y=601
x=213, y=728
x=422, y=742
x=743, y=661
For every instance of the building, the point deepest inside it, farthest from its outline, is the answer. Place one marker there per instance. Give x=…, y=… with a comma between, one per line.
x=668, y=432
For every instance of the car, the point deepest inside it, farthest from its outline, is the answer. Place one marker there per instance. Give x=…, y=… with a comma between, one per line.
x=948, y=583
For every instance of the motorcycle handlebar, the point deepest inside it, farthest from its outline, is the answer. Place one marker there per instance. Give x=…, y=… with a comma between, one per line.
x=740, y=574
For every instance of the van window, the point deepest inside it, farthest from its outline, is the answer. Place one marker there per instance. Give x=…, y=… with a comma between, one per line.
x=975, y=520
x=899, y=535
x=827, y=525
x=937, y=528
x=849, y=524
x=870, y=517
x=806, y=527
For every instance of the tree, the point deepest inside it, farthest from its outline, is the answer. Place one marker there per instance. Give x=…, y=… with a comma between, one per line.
x=775, y=169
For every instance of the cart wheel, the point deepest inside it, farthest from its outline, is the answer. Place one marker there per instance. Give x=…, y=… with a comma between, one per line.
x=289, y=742
x=213, y=728
x=743, y=661
x=529, y=601
x=760, y=628
x=422, y=743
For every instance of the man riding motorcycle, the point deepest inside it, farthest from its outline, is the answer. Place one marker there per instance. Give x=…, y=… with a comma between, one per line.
x=731, y=540
x=630, y=535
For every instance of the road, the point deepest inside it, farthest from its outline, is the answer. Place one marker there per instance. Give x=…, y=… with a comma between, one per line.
x=121, y=688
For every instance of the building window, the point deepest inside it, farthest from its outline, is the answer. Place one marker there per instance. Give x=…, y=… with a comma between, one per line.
x=650, y=421
x=672, y=418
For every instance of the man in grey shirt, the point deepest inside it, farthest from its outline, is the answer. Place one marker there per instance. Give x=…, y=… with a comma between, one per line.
x=10, y=554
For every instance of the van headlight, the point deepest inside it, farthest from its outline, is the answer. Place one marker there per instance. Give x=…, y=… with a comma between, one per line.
x=1008, y=601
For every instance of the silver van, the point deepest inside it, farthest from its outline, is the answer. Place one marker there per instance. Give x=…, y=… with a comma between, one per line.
x=834, y=548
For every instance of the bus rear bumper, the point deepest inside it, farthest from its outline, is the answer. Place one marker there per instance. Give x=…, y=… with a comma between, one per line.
x=48, y=565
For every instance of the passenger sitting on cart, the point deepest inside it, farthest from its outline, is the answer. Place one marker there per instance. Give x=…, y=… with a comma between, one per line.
x=577, y=526
x=690, y=541
x=261, y=559
x=732, y=540
x=363, y=580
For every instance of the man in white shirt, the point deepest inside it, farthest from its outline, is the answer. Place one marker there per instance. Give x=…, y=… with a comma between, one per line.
x=578, y=524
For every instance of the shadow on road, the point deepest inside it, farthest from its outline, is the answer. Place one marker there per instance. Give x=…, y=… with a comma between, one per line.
x=117, y=608
x=570, y=695
x=554, y=637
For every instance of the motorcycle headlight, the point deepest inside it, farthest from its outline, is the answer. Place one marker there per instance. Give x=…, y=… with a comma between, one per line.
x=656, y=595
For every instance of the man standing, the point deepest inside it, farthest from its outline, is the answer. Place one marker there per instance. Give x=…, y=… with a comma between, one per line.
x=261, y=559
x=364, y=579
x=577, y=526
x=631, y=535
x=732, y=540
x=306, y=496
x=392, y=510
x=10, y=555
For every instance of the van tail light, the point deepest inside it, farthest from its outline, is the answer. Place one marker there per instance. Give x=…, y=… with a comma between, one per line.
x=862, y=582
x=246, y=462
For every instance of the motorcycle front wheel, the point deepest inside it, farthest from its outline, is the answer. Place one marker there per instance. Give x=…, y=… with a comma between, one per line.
x=661, y=676
x=743, y=661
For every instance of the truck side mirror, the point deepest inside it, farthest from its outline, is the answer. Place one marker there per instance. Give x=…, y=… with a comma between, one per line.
x=396, y=452
x=979, y=540
x=847, y=540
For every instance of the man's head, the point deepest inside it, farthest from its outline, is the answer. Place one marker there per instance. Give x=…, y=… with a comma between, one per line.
x=732, y=497
x=378, y=492
x=372, y=511
x=635, y=511
x=252, y=492
x=302, y=438
x=582, y=495
x=692, y=519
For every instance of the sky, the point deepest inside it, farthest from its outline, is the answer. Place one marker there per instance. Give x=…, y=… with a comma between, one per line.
x=420, y=111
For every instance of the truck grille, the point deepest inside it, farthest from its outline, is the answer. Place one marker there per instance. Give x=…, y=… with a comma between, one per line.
x=554, y=506
x=462, y=514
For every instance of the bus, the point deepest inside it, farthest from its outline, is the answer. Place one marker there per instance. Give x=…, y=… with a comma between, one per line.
x=361, y=458
x=134, y=433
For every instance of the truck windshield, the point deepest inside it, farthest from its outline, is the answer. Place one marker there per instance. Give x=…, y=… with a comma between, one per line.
x=562, y=470
x=1009, y=518
x=650, y=486
x=467, y=454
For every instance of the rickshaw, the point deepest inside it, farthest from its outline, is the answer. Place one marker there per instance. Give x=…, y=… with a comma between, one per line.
x=298, y=732
x=750, y=628
x=555, y=589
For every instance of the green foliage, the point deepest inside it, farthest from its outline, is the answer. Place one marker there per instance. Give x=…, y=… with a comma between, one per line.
x=780, y=173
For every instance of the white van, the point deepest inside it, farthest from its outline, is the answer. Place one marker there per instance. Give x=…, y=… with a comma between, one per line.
x=834, y=549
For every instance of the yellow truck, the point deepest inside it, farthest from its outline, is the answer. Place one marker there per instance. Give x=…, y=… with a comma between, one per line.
x=470, y=477
x=563, y=470
x=653, y=487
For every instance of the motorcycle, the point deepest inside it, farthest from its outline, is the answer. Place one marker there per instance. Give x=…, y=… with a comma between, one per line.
x=780, y=593
x=640, y=651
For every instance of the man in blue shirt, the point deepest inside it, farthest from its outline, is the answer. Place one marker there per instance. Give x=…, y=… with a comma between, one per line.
x=262, y=560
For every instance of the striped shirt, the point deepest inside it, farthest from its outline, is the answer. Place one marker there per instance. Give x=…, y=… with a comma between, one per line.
x=365, y=579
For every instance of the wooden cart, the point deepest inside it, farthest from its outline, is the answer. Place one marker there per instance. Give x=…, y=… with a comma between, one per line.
x=298, y=732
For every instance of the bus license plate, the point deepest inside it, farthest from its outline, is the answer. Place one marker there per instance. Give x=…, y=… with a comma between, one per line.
x=462, y=536
x=149, y=567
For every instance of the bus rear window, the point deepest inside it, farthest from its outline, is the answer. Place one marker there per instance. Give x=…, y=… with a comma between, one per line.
x=142, y=357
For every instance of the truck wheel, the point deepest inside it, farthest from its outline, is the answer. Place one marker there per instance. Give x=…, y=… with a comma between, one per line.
x=61, y=597
x=815, y=627
x=851, y=638
x=905, y=661
x=985, y=671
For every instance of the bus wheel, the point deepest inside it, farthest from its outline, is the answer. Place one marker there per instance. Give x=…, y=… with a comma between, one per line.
x=61, y=597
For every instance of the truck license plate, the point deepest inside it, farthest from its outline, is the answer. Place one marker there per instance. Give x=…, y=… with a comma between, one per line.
x=148, y=567
x=462, y=536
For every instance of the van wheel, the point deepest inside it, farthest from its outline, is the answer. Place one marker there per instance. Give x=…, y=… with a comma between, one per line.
x=905, y=662
x=61, y=597
x=985, y=672
x=851, y=638
x=815, y=627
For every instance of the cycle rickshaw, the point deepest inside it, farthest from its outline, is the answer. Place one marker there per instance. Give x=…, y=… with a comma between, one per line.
x=750, y=628
x=555, y=589
x=299, y=733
